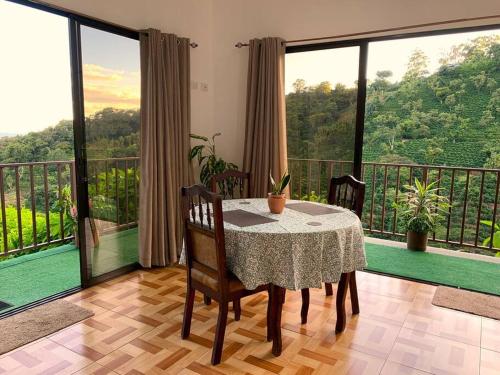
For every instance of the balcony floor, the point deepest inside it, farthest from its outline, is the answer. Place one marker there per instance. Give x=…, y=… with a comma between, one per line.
x=446, y=267
x=39, y=275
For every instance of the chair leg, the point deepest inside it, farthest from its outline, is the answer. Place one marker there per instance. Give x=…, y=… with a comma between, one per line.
x=270, y=317
x=237, y=309
x=353, y=289
x=207, y=300
x=328, y=289
x=305, y=305
x=188, y=313
x=219, y=333
x=341, y=295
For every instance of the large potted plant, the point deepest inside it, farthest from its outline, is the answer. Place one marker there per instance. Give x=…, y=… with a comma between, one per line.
x=210, y=164
x=421, y=208
x=276, y=198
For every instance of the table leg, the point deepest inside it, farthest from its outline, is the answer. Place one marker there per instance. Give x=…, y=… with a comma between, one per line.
x=341, y=296
x=278, y=294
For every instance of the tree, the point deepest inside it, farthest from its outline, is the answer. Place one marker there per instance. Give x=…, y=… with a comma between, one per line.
x=299, y=86
x=417, y=66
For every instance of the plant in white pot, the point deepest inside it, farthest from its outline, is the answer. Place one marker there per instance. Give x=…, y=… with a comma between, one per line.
x=276, y=198
x=421, y=208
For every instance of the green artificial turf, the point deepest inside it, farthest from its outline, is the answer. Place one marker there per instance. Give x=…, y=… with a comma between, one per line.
x=32, y=277
x=29, y=278
x=436, y=268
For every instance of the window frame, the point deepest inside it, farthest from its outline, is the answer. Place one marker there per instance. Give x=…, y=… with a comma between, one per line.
x=363, y=44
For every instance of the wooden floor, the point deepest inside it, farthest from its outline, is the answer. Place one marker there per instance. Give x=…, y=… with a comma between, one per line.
x=136, y=330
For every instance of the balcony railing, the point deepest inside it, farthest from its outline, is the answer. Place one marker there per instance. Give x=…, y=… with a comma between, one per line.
x=472, y=192
x=31, y=199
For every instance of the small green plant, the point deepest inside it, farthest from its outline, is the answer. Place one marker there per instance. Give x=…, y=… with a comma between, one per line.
x=67, y=207
x=313, y=197
x=210, y=164
x=496, y=235
x=421, y=207
x=279, y=187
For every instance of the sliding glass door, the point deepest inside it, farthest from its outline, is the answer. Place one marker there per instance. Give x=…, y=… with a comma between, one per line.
x=38, y=248
x=321, y=107
x=69, y=152
x=111, y=92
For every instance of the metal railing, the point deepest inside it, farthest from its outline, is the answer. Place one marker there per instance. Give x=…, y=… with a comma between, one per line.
x=31, y=199
x=472, y=192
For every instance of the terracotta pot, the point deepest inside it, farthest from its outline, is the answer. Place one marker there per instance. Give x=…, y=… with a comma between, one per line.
x=276, y=203
x=416, y=241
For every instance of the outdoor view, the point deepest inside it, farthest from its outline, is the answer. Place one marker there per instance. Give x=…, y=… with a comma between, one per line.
x=432, y=112
x=37, y=172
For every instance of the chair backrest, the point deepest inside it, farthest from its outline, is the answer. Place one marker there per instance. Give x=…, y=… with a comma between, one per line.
x=232, y=184
x=347, y=192
x=204, y=233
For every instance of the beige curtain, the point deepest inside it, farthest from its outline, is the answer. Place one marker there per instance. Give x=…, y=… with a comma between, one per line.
x=265, y=135
x=165, y=128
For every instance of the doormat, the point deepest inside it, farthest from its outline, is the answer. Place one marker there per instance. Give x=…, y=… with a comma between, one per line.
x=30, y=325
x=471, y=302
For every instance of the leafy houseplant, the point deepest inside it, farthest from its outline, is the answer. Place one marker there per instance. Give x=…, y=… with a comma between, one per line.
x=276, y=198
x=421, y=208
x=209, y=163
x=496, y=235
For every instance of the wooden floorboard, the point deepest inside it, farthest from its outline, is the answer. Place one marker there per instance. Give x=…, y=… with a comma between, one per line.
x=137, y=323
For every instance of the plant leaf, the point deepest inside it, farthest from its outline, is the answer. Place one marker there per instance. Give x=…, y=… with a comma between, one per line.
x=200, y=137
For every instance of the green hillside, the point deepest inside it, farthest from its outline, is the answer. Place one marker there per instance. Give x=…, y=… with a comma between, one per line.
x=450, y=117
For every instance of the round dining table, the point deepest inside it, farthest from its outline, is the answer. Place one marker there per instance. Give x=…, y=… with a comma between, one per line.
x=306, y=245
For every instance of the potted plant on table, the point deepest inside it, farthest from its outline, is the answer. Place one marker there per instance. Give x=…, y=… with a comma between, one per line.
x=276, y=198
x=421, y=208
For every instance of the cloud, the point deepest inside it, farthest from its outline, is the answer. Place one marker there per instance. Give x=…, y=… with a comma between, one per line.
x=104, y=87
x=94, y=72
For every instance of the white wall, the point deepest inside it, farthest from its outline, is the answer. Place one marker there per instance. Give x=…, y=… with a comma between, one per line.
x=218, y=24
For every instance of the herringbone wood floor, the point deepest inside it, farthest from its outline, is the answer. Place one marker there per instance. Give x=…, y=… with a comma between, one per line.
x=136, y=330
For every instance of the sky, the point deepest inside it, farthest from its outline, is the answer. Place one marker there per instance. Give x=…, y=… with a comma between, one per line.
x=35, y=75
x=341, y=65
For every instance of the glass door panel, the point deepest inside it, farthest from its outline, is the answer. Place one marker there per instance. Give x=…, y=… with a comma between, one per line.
x=38, y=254
x=111, y=87
x=321, y=96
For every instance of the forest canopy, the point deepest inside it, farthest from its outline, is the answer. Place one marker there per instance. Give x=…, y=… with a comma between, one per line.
x=110, y=133
x=450, y=117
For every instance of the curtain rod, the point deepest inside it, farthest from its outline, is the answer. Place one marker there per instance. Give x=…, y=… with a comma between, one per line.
x=241, y=44
x=66, y=10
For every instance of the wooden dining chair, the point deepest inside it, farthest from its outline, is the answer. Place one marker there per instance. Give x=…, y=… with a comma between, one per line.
x=232, y=184
x=206, y=261
x=347, y=192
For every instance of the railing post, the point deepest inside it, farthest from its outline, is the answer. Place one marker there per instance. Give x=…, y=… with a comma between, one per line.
x=493, y=220
x=480, y=203
x=383, y=200
x=394, y=220
x=465, y=207
x=33, y=206
x=4, y=214
x=61, y=213
x=373, y=196
x=18, y=206
x=452, y=186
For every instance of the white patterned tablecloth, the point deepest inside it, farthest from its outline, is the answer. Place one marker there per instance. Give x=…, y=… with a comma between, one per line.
x=297, y=251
